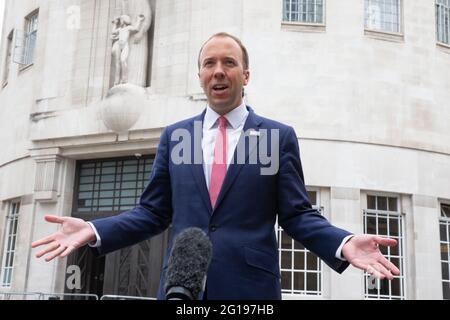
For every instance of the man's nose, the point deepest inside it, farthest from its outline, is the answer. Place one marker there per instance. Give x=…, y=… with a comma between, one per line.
x=218, y=71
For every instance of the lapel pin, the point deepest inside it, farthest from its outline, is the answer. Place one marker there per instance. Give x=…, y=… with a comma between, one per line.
x=254, y=133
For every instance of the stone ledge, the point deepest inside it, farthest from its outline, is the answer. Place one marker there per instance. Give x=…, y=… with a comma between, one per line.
x=382, y=35
x=303, y=27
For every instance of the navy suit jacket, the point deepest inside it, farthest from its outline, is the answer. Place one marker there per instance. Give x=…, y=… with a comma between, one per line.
x=241, y=226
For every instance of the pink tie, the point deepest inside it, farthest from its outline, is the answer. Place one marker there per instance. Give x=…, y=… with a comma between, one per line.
x=219, y=167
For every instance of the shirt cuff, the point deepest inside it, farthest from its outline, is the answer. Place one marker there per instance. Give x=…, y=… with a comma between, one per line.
x=98, y=242
x=339, y=250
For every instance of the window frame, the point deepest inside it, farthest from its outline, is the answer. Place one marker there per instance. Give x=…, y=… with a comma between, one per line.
x=303, y=294
x=446, y=7
x=99, y=164
x=444, y=221
x=29, y=59
x=8, y=58
x=304, y=26
x=401, y=245
x=385, y=34
x=9, y=245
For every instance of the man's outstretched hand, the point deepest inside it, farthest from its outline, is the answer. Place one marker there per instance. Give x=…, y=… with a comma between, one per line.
x=73, y=234
x=362, y=252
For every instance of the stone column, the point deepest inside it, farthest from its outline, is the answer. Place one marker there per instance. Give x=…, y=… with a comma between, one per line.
x=426, y=258
x=346, y=213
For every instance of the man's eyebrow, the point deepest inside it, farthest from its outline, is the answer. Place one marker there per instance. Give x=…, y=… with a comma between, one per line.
x=208, y=59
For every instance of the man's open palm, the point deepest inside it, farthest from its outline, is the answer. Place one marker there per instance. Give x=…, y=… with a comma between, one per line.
x=73, y=234
x=362, y=251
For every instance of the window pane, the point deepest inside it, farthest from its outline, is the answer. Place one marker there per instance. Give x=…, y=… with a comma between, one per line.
x=444, y=252
x=286, y=260
x=299, y=260
x=393, y=227
x=286, y=280
x=382, y=203
x=311, y=284
x=392, y=204
x=446, y=290
x=312, y=261
x=445, y=211
x=371, y=225
x=286, y=242
x=395, y=287
x=371, y=202
x=384, y=287
x=299, y=281
x=382, y=226
x=445, y=271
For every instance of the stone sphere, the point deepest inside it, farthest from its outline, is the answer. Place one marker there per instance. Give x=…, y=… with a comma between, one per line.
x=122, y=107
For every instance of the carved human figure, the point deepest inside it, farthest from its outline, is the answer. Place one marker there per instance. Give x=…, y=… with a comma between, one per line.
x=121, y=33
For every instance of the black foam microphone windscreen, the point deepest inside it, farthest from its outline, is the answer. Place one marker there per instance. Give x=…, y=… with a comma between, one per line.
x=188, y=264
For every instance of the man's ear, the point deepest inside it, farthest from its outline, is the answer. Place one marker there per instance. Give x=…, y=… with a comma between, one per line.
x=246, y=77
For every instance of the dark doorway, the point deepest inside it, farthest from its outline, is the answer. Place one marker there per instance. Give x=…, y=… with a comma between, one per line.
x=105, y=188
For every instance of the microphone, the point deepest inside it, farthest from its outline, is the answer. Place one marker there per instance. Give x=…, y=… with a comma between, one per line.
x=187, y=266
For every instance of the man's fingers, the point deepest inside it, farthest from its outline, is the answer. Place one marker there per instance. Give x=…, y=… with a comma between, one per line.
x=54, y=219
x=388, y=242
x=66, y=252
x=53, y=246
x=42, y=241
x=360, y=265
x=384, y=271
x=55, y=253
x=373, y=272
x=390, y=266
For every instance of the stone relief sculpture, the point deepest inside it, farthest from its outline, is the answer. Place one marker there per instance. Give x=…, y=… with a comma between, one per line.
x=130, y=42
x=121, y=33
x=125, y=101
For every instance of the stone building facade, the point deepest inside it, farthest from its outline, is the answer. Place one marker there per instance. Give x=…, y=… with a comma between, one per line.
x=365, y=84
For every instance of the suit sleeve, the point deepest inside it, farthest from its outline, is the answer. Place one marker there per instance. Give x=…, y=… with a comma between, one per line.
x=295, y=213
x=150, y=217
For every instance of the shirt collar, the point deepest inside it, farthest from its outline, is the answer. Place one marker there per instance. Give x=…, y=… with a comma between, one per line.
x=235, y=117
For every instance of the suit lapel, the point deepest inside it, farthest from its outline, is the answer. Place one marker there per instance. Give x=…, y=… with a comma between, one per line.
x=252, y=122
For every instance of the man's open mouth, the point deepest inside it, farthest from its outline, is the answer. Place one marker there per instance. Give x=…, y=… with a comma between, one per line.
x=219, y=87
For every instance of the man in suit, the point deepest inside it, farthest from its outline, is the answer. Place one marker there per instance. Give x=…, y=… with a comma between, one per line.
x=225, y=194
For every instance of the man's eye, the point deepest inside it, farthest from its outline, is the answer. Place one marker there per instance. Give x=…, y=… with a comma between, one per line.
x=230, y=62
x=207, y=63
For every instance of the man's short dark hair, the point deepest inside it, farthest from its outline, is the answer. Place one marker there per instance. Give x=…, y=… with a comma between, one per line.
x=245, y=62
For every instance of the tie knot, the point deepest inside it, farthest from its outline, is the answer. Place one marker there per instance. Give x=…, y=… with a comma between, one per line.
x=222, y=122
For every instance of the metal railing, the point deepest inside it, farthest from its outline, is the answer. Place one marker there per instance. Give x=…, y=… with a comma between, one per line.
x=117, y=297
x=65, y=296
x=20, y=295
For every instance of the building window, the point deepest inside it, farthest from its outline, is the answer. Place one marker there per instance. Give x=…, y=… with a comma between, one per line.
x=31, y=27
x=303, y=11
x=9, y=246
x=301, y=270
x=7, y=65
x=443, y=21
x=383, y=15
x=111, y=185
x=444, y=224
x=383, y=218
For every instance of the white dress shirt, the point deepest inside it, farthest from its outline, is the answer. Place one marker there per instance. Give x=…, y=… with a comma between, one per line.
x=235, y=124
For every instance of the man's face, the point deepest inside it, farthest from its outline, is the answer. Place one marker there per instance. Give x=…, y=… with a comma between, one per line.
x=222, y=75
